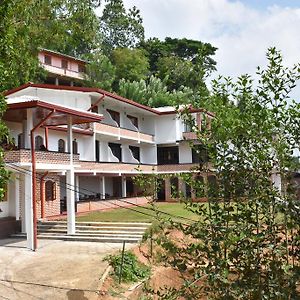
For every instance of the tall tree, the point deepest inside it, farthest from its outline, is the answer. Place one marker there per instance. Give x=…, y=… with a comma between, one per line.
x=131, y=64
x=120, y=28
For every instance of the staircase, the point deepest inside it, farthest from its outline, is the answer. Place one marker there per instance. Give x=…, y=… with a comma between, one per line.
x=108, y=232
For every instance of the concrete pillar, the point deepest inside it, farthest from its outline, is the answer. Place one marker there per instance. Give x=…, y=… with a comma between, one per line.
x=70, y=184
x=124, y=191
x=70, y=181
x=28, y=210
x=276, y=179
x=102, y=187
x=77, y=188
x=17, y=197
x=167, y=189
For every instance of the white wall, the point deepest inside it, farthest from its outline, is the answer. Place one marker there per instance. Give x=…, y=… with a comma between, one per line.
x=86, y=146
x=147, y=124
x=185, y=153
x=166, y=129
x=127, y=155
x=89, y=185
x=148, y=154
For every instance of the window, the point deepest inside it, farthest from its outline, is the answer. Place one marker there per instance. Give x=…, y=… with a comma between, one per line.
x=134, y=120
x=21, y=142
x=167, y=155
x=61, y=145
x=81, y=69
x=39, y=143
x=75, y=147
x=50, y=190
x=48, y=60
x=97, y=150
x=114, y=115
x=116, y=150
x=95, y=109
x=135, y=152
x=64, y=64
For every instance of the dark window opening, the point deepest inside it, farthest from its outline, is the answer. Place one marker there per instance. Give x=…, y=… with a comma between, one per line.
x=61, y=145
x=114, y=115
x=135, y=152
x=39, y=143
x=81, y=69
x=95, y=109
x=97, y=150
x=50, y=190
x=64, y=64
x=116, y=150
x=75, y=147
x=48, y=60
x=134, y=121
x=167, y=155
x=21, y=141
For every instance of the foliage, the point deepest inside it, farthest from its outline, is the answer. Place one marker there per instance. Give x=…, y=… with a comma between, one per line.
x=100, y=72
x=120, y=29
x=245, y=244
x=132, y=269
x=131, y=64
x=183, y=61
x=154, y=92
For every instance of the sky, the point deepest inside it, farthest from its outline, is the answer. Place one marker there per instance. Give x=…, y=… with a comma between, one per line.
x=241, y=30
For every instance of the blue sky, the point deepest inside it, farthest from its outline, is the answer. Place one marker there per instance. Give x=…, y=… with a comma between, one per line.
x=263, y=4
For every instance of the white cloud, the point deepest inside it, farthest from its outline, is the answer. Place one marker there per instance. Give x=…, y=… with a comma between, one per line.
x=241, y=33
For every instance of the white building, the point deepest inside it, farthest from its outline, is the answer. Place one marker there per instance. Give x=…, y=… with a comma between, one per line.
x=77, y=148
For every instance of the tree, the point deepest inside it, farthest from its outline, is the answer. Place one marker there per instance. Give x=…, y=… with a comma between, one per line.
x=154, y=92
x=131, y=64
x=185, y=62
x=245, y=242
x=120, y=29
x=100, y=72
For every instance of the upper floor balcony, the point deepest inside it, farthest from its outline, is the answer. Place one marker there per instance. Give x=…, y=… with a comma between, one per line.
x=123, y=133
x=23, y=156
x=63, y=72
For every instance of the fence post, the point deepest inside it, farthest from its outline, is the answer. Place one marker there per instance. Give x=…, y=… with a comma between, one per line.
x=122, y=262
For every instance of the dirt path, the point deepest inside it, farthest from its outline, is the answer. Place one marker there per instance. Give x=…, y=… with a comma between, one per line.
x=58, y=270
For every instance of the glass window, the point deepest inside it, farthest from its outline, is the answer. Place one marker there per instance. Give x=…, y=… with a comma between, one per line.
x=167, y=155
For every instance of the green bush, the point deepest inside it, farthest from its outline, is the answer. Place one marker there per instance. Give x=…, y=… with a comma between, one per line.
x=132, y=269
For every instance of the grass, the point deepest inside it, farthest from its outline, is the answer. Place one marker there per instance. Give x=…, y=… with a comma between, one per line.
x=138, y=214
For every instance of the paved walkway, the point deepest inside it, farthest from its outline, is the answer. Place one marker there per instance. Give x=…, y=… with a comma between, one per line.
x=58, y=270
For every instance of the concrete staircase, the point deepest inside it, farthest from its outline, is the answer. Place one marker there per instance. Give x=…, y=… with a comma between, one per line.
x=108, y=232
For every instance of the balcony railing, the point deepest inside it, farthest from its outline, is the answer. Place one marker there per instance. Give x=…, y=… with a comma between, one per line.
x=123, y=133
x=189, y=135
x=116, y=167
x=63, y=72
x=46, y=157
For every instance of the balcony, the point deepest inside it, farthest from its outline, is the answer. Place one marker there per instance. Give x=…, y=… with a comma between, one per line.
x=177, y=168
x=63, y=72
x=115, y=167
x=189, y=135
x=43, y=157
x=123, y=133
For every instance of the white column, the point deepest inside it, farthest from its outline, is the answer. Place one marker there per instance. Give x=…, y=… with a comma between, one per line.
x=70, y=184
x=276, y=179
x=28, y=210
x=17, y=196
x=102, y=187
x=124, y=192
x=77, y=188
x=28, y=127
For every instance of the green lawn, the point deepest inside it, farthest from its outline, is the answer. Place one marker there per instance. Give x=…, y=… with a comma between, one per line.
x=138, y=214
